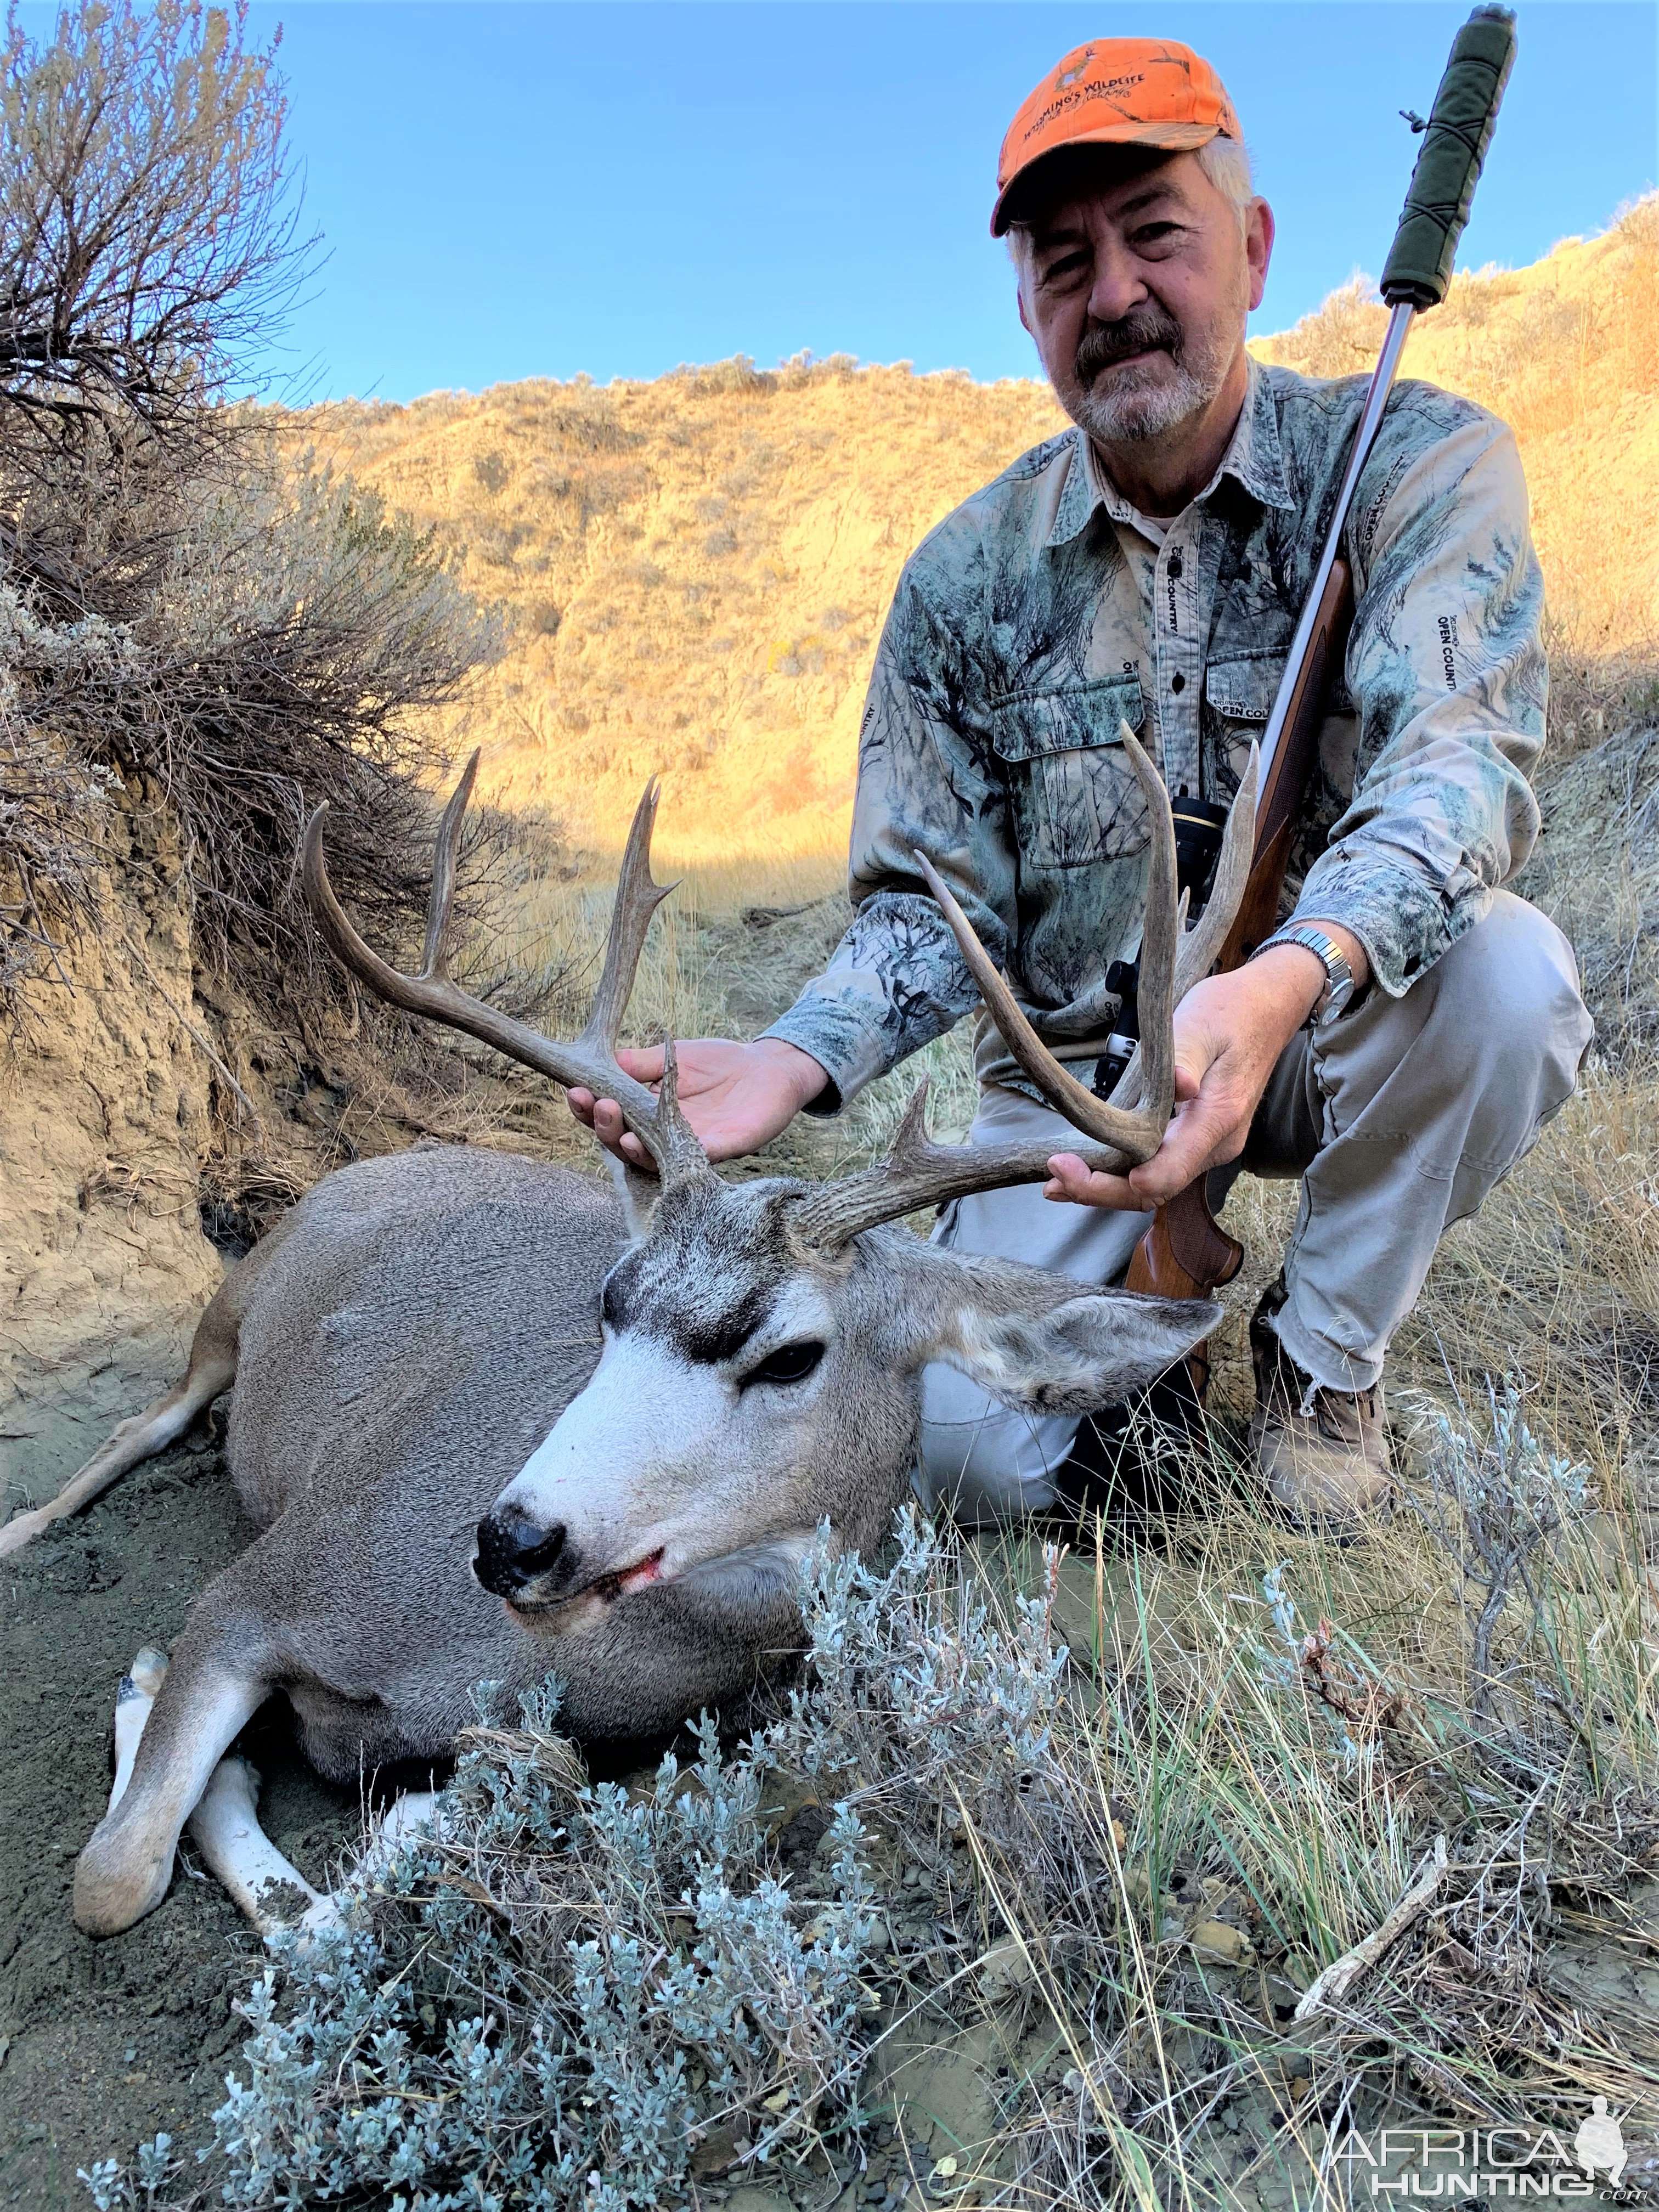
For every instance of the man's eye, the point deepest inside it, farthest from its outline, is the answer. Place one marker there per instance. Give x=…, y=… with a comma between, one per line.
x=1157, y=233
x=1065, y=270
x=790, y=1363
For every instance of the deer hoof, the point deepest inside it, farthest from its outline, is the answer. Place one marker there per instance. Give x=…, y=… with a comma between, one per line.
x=111, y=1891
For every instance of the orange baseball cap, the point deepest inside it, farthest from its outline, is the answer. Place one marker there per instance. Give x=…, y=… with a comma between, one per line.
x=1115, y=92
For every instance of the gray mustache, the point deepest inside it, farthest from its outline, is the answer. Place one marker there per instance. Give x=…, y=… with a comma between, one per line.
x=1102, y=344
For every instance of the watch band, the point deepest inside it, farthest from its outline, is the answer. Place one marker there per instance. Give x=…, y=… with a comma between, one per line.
x=1338, y=975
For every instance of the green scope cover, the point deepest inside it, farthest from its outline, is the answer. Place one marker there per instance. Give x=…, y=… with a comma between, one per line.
x=1460, y=129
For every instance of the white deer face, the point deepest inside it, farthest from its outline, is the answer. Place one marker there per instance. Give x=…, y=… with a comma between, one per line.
x=749, y=1390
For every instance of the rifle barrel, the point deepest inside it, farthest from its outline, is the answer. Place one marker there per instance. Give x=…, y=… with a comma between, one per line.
x=1400, y=323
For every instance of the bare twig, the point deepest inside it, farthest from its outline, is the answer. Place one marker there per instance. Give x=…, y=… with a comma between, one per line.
x=1336, y=1978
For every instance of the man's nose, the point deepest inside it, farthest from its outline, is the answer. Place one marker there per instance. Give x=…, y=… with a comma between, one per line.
x=514, y=1550
x=1118, y=285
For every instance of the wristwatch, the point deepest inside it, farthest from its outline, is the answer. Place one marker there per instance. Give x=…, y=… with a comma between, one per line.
x=1338, y=976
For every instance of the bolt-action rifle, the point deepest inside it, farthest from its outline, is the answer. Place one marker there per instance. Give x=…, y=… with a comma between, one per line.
x=1186, y=1253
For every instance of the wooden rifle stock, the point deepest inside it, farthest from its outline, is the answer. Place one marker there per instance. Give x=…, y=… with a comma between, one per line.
x=1186, y=1253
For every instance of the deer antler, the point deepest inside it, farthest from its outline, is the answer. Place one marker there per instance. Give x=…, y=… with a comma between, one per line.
x=1136, y=1135
x=1200, y=945
x=918, y=1173
x=590, y=1061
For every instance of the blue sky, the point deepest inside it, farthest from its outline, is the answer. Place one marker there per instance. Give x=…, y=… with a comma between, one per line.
x=532, y=190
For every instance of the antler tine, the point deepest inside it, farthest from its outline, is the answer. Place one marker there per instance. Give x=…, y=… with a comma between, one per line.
x=676, y=1151
x=1200, y=945
x=682, y=1152
x=917, y=1173
x=1159, y=943
x=432, y=963
x=1136, y=1135
x=436, y=997
x=638, y=896
x=1200, y=948
x=1128, y=1133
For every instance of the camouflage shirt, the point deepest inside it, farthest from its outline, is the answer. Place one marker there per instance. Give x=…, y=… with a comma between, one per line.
x=1045, y=610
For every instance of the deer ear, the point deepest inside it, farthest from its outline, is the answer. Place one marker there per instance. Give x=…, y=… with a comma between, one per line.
x=1083, y=1354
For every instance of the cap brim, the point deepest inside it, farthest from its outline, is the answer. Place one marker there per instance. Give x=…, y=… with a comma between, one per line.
x=1171, y=137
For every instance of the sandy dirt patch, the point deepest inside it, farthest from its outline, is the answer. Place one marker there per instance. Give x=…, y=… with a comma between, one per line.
x=109, y=2042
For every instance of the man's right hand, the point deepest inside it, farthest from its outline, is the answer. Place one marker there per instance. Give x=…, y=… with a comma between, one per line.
x=736, y=1096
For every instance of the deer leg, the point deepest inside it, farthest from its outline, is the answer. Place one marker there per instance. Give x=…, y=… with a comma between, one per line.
x=267, y=1886
x=167, y=1745
x=212, y=1369
x=135, y=1693
x=408, y=1815
x=225, y=1826
x=225, y=1822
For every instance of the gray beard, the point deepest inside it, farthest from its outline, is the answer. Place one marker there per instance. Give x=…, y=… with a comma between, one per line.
x=1139, y=408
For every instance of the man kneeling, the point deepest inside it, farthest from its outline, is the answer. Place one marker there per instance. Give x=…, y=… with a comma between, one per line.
x=1400, y=1040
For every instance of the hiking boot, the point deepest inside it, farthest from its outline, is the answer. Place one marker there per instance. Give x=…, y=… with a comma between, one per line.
x=1327, y=1467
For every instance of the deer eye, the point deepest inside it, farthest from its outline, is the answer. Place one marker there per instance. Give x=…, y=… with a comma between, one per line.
x=790, y=1363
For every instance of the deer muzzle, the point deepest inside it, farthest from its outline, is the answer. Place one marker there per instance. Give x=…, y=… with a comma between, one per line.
x=514, y=1551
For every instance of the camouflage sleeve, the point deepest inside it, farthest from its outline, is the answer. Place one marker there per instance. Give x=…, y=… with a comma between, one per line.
x=926, y=784
x=1447, y=678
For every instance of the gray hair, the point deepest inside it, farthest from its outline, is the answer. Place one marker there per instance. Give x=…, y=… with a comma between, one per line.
x=1225, y=162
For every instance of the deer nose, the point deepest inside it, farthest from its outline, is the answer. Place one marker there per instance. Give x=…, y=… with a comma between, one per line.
x=514, y=1550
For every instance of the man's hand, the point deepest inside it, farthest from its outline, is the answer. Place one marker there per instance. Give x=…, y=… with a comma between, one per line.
x=736, y=1096
x=1229, y=1033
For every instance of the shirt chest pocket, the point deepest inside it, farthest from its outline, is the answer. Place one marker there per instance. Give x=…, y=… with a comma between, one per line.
x=1075, y=797
x=1238, y=697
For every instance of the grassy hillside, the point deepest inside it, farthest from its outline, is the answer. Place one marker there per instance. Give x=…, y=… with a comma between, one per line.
x=696, y=568
x=1568, y=352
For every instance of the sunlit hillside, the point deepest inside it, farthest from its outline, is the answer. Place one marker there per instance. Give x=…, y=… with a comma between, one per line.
x=1568, y=352
x=695, y=569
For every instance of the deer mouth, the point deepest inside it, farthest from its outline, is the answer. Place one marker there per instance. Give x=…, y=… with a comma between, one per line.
x=607, y=1589
x=610, y=1588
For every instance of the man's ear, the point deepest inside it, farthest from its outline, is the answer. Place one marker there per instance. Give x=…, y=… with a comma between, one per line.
x=1041, y=1341
x=1259, y=229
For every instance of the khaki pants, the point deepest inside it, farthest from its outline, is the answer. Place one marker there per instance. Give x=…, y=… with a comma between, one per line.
x=1399, y=1116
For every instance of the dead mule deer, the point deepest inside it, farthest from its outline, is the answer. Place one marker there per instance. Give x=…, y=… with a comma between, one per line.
x=493, y=1419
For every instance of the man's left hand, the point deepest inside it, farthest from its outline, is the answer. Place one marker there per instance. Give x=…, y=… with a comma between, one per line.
x=1229, y=1033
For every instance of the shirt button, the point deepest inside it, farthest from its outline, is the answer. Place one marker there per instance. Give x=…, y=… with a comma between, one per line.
x=1174, y=564
x=1177, y=681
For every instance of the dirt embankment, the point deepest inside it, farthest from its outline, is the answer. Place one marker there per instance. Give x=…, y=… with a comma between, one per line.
x=105, y=1118
x=104, y=1115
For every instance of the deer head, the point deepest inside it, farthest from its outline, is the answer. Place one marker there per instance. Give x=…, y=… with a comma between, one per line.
x=763, y=1340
